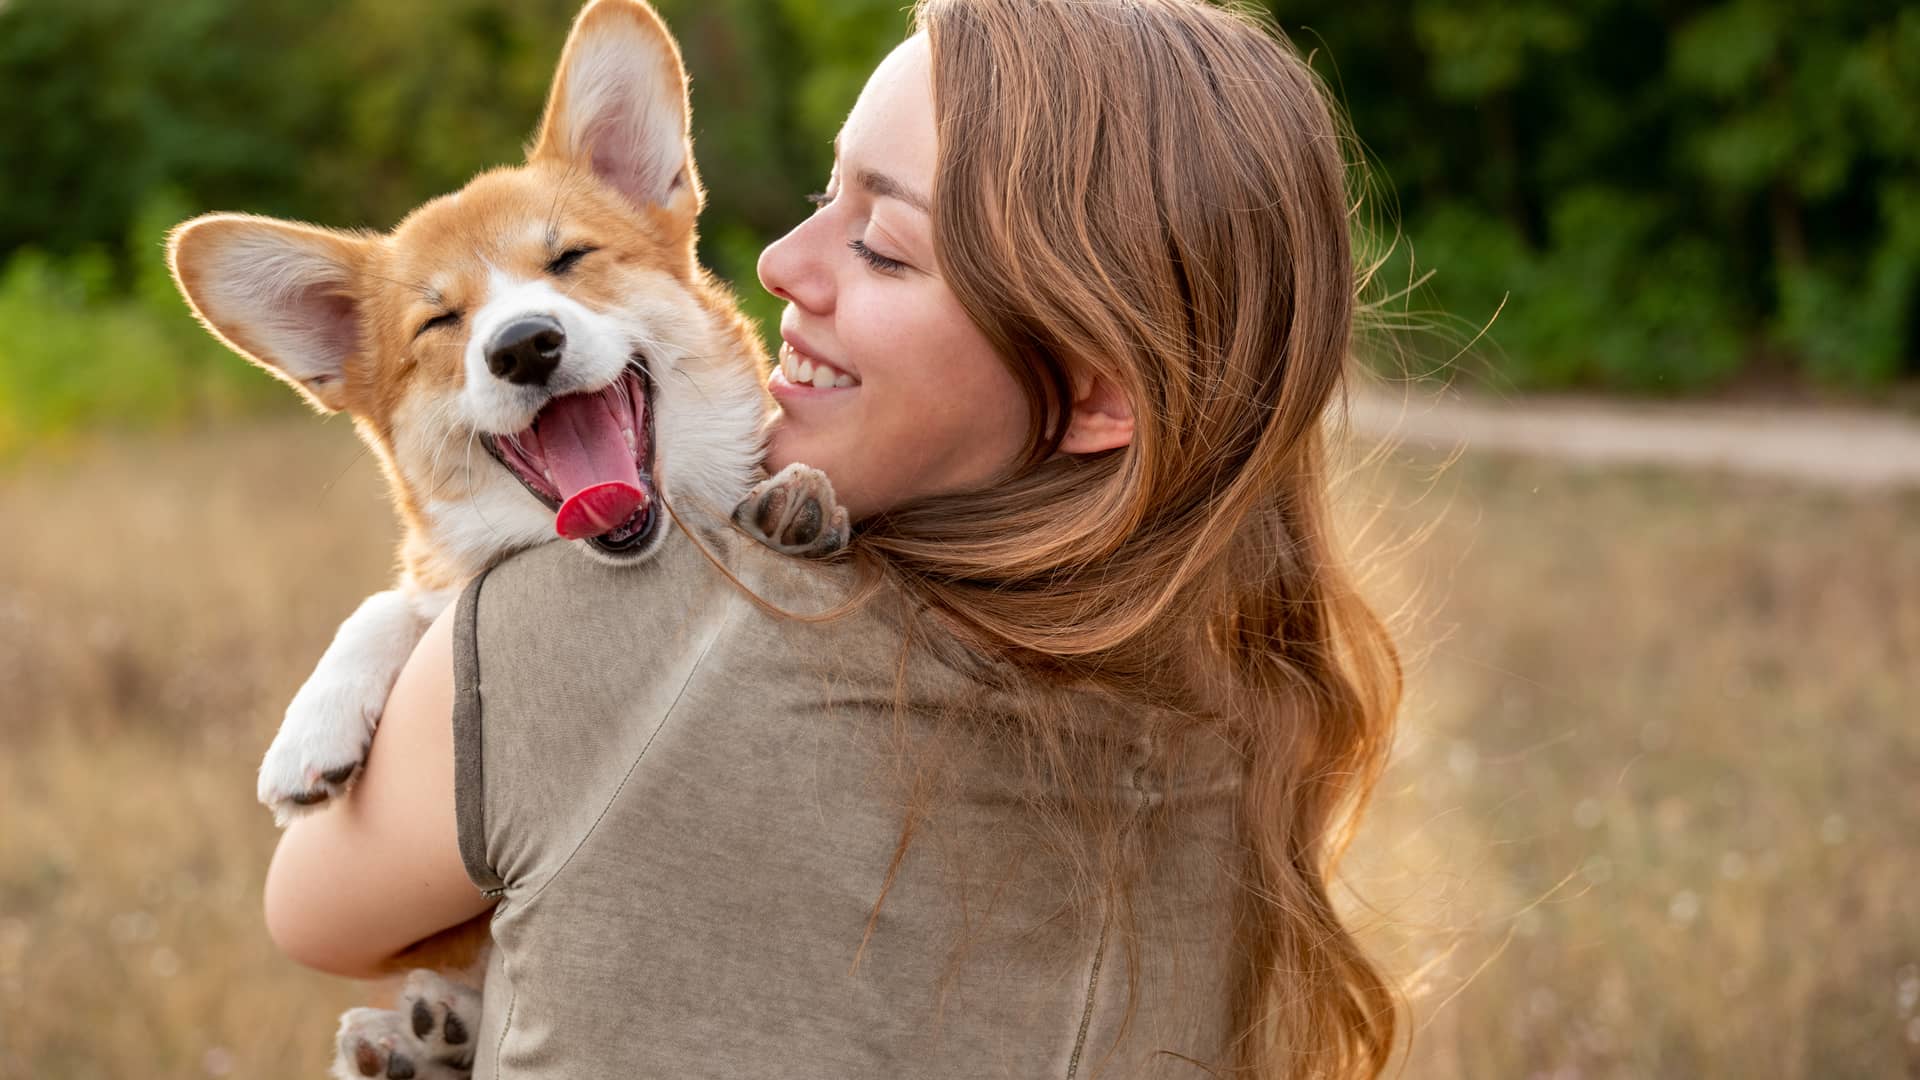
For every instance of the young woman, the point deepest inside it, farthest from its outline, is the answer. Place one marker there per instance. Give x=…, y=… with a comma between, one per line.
x=1063, y=798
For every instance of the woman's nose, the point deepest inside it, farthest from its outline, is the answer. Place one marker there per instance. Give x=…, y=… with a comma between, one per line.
x=790, y=269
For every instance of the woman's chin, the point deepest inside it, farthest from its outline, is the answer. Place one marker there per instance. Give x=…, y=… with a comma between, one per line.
x=784, y=445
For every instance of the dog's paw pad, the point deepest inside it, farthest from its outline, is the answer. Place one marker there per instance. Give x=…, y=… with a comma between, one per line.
x=376, y=1044
x=373, y=1043
x=444, y=1015
x=795, y=513
x=438, y=1023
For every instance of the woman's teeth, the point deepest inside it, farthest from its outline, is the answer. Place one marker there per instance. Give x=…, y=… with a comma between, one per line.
x=806, y=371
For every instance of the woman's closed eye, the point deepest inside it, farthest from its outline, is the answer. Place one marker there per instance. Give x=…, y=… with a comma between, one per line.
x=872, y=258
x=881, y=263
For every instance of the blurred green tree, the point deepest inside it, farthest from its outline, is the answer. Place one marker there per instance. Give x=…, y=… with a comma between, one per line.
x=1660, y=194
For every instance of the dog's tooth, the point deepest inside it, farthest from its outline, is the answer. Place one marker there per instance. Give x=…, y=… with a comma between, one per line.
x=632, y=446
x=806, y=371
x=548, y=473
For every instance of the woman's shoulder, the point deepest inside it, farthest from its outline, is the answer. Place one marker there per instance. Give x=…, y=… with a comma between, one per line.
x=798, y=618
x=687, y=568
x=714, y=592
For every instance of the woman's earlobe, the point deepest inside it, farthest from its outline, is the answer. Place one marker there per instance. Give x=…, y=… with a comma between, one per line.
x=1101, y=418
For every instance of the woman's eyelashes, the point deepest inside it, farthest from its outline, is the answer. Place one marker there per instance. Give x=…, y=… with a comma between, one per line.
x=880, y=263
x=875, y=259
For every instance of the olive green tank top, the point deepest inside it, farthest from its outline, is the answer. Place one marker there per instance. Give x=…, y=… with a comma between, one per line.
x=687, y=807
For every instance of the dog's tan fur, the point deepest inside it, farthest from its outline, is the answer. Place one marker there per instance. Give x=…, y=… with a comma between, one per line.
x=505, y=221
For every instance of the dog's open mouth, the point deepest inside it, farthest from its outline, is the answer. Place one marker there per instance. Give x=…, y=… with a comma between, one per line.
x=589, y=458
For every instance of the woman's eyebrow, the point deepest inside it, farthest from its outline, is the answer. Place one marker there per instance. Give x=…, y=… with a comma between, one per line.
x=880, y=185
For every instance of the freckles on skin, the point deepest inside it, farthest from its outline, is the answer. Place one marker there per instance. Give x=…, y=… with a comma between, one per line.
x=935, y=410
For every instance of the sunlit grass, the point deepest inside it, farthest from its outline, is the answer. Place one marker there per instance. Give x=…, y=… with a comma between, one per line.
x=159, y=602
x=1651, y=814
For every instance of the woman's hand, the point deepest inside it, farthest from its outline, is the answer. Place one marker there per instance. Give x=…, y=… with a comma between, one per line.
x=352, y=886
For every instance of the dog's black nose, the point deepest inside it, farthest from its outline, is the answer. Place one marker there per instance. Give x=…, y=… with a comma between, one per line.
x=527, y=350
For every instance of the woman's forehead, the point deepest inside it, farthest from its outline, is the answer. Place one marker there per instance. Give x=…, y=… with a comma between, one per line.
x=891, y=127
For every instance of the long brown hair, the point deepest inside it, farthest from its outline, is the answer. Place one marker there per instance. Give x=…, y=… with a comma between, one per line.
x=1156, y=191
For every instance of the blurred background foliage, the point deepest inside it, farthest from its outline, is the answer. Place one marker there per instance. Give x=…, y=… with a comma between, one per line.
x=1655, y=197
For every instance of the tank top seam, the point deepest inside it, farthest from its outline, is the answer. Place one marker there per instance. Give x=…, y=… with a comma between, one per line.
x=469, y=758
x=1106, y=925
x=665, y=719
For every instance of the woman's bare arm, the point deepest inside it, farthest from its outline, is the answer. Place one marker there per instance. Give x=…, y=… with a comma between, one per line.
x=354, y=884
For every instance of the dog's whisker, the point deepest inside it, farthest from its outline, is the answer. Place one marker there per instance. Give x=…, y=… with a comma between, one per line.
x=695, y=383
x=626, y=398
x=477, y=511
x=357, y=459
x=439, y=423
x=444, y=477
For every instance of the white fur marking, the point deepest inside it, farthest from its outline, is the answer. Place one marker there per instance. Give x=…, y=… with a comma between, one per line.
x=331, y=719
x=595, y=355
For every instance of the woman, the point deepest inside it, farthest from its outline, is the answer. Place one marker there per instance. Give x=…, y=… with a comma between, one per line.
x=1064, y=795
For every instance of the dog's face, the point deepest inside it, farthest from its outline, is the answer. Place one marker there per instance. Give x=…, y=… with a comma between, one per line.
x=541, y=341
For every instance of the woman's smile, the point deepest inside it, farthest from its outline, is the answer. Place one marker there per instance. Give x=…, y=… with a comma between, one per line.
x=802, y=374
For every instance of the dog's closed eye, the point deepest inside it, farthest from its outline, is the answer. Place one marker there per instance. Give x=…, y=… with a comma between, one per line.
x=450, y=319
x=568, y=259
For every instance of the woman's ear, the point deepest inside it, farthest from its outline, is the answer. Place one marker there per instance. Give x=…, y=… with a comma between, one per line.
x=1100, y=420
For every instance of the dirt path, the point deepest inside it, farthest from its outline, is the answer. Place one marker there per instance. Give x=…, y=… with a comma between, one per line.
x=1836, y=447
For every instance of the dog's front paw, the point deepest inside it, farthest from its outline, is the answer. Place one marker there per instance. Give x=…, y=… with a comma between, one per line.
x=320, y=747
x=380, y=1043
x=794, y=512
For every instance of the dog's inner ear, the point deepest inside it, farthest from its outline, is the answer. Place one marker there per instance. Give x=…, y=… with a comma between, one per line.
x=619, y=108
x=281, y=294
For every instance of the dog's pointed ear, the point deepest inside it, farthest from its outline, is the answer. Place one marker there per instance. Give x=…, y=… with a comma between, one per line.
x=280, y=294
x=618, y=108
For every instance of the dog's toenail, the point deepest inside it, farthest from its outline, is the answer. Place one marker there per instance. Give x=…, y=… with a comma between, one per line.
x=339, y=775
x=399, y=1068
x=456, y=1031
x=366, y=1059
x=309, y=798
x=422, y=1019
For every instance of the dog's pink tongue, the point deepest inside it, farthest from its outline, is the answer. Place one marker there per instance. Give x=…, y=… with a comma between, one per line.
x=586, y=452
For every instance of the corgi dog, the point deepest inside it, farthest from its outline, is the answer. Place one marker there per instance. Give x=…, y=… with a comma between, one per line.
x=536, y=354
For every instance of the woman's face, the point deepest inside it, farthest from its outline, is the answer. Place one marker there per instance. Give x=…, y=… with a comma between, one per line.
x=884, y=382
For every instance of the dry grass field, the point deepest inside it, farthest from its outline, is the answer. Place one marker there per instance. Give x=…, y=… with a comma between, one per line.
x=1653, y=813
